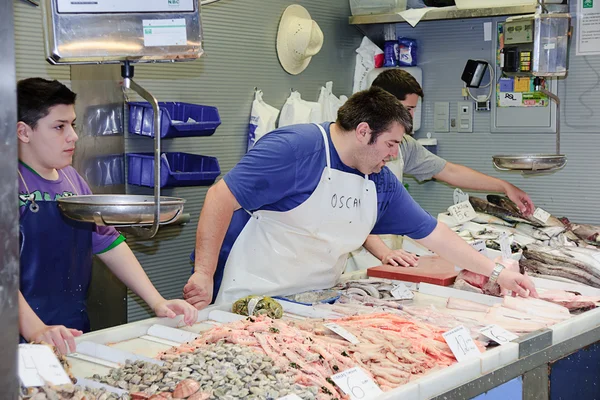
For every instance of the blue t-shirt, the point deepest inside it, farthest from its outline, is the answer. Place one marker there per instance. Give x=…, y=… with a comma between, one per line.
x=283, y=169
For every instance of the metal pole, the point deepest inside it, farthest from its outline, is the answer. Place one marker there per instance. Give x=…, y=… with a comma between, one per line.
x=129, y=83
x=9, y=210
x=557, y=101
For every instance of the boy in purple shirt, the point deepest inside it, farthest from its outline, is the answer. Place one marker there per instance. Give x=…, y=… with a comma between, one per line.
x=56, y=252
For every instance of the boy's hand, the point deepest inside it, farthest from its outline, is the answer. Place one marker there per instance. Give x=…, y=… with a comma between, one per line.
x=172, y=308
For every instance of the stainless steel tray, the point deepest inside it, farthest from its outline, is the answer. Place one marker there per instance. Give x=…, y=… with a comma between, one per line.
x=530, y=162
x=120, y=210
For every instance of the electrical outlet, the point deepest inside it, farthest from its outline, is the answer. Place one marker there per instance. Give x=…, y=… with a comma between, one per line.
x=465, y=116
x=441, y=116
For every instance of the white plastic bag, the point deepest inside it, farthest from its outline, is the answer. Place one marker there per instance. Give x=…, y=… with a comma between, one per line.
x=262, y=119
x=368, y=56
x=298, y=111
x=329, y=102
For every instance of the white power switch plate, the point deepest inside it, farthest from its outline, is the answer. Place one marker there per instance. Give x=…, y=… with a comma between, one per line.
x=441, y=116
x=465, y=116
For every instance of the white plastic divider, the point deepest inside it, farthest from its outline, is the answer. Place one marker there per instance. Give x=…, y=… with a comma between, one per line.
x=105, y=353
x=225, y=316
x=171, y=334
x=443, y=291
x=94, y=360
x=159, y=340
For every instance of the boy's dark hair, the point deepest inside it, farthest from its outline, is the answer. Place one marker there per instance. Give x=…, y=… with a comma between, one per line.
x=399, y=83
x=377, y=108
x=35, y=97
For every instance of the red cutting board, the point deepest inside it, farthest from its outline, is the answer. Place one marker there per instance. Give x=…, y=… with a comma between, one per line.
x=431, y=269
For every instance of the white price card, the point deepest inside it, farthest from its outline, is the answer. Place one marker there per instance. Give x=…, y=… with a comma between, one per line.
x=38, y=365
x=401, y=292
x=292, y=396
x=459, y=196
x=510, y=99
x=480, y=246
x=164, y=32
x=461, y=343
x=541, y=215
x=463, y=212
x=505, y=246
x=498, y=334
x=357, y=384
x=342, y=332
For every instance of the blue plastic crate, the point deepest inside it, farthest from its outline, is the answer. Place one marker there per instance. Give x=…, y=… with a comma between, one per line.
x=177, y=169
x=106, y=170
x=141, y=117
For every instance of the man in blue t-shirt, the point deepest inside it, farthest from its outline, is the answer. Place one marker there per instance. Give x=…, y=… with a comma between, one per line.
x=287, y=215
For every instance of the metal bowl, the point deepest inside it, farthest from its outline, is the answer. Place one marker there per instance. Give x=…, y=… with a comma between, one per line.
x=530, y=162
x=120, y=210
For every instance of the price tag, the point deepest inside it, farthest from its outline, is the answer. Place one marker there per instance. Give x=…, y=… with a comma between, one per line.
x=498, y=334
x=505, y=246
x=463, y=212
x=401, y=292
x=342, y=332
x=541, y=215
x=480, y=246
x=460, y=342
x=38, y=365
x=510, y=99
x=292, y=396
x=357, y=384
x=459, y=196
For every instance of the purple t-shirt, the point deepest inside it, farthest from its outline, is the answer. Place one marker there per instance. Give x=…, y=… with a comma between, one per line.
x=46, y=190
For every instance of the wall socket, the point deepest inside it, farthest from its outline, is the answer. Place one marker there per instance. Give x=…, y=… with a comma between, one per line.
x=464, y=116
x=441, y=116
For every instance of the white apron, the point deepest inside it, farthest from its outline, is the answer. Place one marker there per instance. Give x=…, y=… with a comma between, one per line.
x=360, y=258
x=280, y=253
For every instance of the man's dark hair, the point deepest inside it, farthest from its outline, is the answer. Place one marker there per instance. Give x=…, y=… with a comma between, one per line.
x=399, y=83
x=35, y=97
x=377, y=108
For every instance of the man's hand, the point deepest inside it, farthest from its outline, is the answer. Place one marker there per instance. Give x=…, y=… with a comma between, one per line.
x=199, y=290
x=519, y=284
x=400, y=258
x=521, y=199
x=58, y=336
x=172, y=308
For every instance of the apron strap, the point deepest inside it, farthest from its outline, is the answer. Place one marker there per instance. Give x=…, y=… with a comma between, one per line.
x=328, y=155
x=73, y=186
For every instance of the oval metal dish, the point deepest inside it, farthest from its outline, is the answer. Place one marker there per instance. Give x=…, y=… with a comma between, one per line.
x=120, y=210
x=530, y=162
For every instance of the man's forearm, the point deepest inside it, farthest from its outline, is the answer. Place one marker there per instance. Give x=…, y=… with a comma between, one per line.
x=376, y=246
x=214, y=221
x=451, y=247
x=467, y=178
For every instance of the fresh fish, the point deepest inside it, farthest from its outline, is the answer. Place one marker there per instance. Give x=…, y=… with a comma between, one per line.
x=543, y=233
x=507, y=204
x=564, y=271
x=483, y=218
x=589, y=233
x=504, y=202
x=484, y=206
x=563, y=258
x=466, y=305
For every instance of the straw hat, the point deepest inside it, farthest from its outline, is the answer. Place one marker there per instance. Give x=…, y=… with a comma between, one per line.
x=298, y=39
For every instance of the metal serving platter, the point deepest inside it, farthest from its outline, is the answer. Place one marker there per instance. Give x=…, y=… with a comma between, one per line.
x=120, y=210
x=530, y=162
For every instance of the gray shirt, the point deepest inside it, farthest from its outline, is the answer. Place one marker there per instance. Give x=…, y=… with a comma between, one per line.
x=414, y=159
